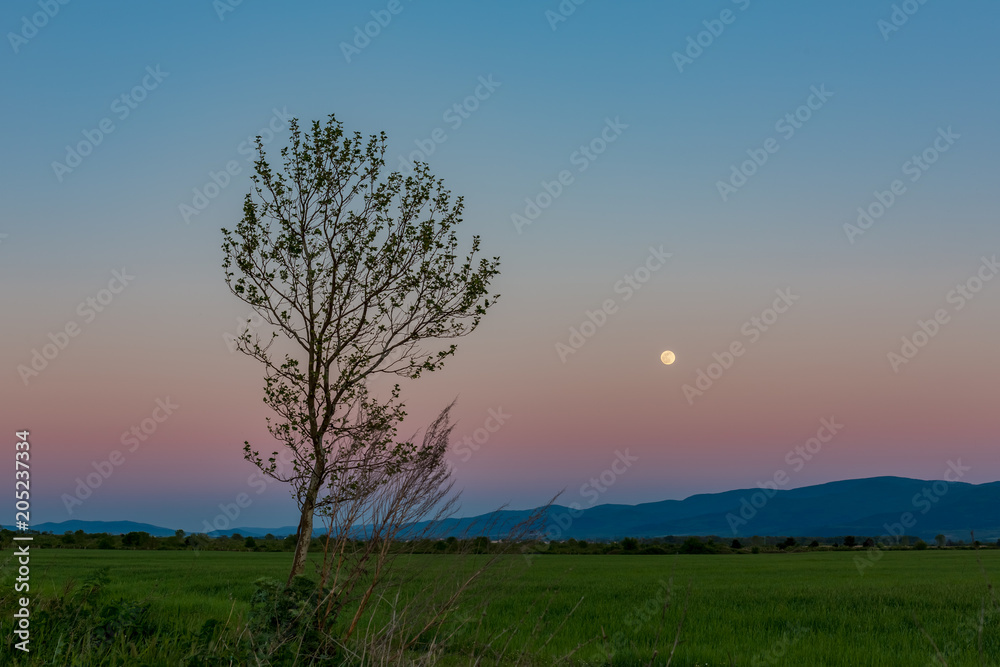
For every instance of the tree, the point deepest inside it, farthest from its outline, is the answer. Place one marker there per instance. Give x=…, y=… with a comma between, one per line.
x=693, y=545
x=919, y=545
x=939, y=540
x=136, y=539
x=814, y=544
x=357, y=271
x=630, y=544
x=736, y=544
x=849, y=541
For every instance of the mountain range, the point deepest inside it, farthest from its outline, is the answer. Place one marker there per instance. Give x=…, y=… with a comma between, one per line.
x=876, y=506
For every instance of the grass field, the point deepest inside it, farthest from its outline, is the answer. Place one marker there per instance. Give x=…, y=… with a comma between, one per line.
x=787, y=609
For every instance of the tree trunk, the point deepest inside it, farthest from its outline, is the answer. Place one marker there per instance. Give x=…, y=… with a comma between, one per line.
x=305, y=528
x=302, y=542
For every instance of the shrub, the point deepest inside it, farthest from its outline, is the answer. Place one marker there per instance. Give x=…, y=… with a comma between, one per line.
x=83, y=623
x=653, y=550
x=283, y=620
x=137, y=539
x=693, y=545
x=920, y=545
x=481, y=545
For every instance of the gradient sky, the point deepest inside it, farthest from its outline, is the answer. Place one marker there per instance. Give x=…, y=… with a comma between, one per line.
x=220, y=81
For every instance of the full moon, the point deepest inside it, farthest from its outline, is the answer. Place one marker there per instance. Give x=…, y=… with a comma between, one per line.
x=667, y=357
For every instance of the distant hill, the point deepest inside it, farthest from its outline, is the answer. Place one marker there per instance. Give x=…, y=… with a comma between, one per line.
x=110, y=527
x=862, y=507
x=870, y=507
x=122, y=527
x=261, y=532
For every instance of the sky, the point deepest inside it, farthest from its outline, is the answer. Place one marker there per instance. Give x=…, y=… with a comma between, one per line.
x=796, y=199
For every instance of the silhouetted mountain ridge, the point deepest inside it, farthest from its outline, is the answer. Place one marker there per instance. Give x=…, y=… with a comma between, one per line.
x=873, y=506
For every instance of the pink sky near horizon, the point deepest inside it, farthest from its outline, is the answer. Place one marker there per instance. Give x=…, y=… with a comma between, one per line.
x=567, y=420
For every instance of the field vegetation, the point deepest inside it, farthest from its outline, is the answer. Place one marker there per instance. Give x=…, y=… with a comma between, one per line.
x=796, y=605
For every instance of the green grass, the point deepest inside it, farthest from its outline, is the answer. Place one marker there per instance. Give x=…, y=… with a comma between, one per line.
x=742, y=609
x=186, y=587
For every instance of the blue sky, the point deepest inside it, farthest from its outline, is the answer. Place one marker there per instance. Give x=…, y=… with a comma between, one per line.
x=222, y=72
